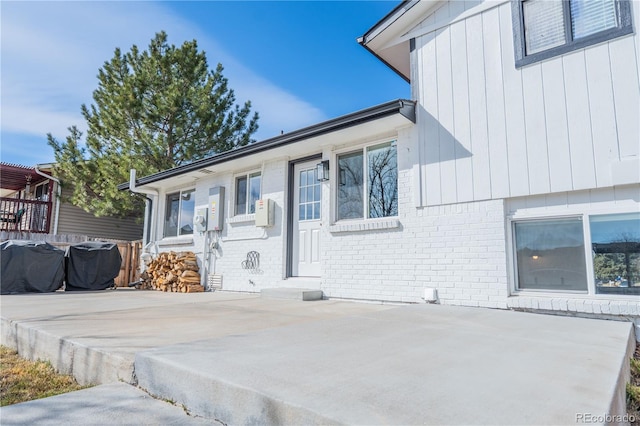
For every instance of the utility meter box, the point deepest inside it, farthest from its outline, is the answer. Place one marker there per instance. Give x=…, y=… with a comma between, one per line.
x=216, y=209
x=200, y=219
x=265, y=212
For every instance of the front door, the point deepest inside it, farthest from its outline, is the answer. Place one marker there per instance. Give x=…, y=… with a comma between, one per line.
x=307, y=202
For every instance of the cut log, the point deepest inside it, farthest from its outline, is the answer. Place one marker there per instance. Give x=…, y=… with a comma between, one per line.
x=194, y=288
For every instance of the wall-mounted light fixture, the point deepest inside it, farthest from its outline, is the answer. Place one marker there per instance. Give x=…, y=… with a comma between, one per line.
x=323, y=170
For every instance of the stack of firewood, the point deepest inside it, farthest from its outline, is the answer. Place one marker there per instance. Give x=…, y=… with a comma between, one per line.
x=173, y=272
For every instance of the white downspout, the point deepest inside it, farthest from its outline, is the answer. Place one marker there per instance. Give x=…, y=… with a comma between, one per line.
x=153, y=192
x=58, y=194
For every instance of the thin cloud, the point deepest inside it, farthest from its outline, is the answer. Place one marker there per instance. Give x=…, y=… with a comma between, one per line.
x=51, y=53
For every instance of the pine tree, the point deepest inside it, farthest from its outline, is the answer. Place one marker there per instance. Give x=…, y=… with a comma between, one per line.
x=153, y=110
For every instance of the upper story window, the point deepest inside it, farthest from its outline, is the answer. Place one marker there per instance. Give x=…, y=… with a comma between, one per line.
x=178, y=218
x=247, y=193
x=368, y=182
x=548, y=28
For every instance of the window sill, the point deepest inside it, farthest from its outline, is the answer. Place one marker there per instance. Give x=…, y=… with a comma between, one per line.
x=241, y=218
x=175, y=241
x=364, y=225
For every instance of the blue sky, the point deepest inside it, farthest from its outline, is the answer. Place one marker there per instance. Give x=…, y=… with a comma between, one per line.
x=297, y=61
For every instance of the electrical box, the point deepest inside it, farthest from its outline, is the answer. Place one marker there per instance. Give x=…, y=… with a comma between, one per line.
x=200, y=219
x=216, y=209
x=265, y=213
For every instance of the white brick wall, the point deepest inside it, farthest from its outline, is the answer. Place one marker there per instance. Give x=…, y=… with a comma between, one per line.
x=459, y=250
x=240, y=237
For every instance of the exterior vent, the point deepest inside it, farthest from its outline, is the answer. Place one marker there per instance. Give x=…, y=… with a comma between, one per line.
x=214, y=282
x=206, y=171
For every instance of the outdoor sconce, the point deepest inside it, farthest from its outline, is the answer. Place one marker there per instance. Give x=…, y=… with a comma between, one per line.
x=323, y=170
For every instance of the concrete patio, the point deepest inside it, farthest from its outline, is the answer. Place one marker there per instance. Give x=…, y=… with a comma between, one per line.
x=239, y=358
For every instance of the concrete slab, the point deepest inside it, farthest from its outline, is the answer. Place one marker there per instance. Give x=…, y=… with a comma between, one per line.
x=409, y=365
x=291, y=294
x=238, y=358
x=112, y=404
x=95, y=335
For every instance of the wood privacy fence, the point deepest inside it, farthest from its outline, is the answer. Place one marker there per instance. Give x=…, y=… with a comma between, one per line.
x=129, y=251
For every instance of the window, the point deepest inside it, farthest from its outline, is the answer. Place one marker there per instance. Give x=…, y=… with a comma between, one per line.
x=178, y=218
x=247, y=193
x=544, y=29
x=615, y=245
x=42, y=192
x=373, y=197
x=551, y=254
x=309, y=195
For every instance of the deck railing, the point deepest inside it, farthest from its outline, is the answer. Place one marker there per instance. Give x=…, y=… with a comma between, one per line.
x=25, y=215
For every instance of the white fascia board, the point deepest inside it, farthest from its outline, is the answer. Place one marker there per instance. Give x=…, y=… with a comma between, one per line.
x=386, y=126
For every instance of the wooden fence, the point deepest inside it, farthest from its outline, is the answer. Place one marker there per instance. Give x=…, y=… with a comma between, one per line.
x=129, y=251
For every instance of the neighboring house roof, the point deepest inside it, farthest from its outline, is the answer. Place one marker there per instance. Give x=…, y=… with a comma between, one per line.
x=384, y=40
x=14, y=177
x=403, y=107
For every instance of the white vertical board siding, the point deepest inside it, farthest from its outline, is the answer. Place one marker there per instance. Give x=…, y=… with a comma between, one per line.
x=579, y=121
x=603, y=120
x=462, y=130
x=498, y=157
x=537, y=153
x=478, y=109
x=446, y=147
x=626, y=92
x=429, y=137
x=558, y=125
x=514, y=112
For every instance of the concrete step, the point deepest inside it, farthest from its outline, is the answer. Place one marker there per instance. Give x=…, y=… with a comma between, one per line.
x=291, y=294
x=111, y=404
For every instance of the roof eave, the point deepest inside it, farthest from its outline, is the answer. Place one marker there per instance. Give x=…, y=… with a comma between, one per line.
x=404, y=107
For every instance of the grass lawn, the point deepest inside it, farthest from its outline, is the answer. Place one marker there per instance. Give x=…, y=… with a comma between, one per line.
x=633, y=388
x=22, y=380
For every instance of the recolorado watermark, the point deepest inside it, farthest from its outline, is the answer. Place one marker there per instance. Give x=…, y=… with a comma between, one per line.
x=605, y=418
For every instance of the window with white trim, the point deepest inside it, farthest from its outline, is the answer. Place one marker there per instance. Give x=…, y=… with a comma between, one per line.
x=368, y=182
x=178, y=217
x=555, y=254
x=247, y=192
x=545, y=28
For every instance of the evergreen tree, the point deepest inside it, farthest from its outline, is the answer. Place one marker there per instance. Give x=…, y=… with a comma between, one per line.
x=153, y=110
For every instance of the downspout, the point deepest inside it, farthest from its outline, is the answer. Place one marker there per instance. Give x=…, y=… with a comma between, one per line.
x=58, y=194
x=149, y=229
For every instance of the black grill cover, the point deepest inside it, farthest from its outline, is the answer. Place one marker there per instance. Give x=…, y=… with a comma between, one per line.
x=30, y=267
x=92, y=265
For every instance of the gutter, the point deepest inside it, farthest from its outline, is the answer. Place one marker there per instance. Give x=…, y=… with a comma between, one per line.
x=149, y=217
x=58, y=194
x=404, y=107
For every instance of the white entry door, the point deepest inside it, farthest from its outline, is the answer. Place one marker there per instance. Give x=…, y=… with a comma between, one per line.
x=307, y=204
